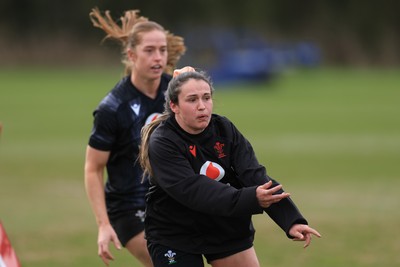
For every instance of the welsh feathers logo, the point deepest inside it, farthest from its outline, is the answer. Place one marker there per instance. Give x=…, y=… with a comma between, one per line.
x=152, y=117
x=219, y=148
x=212, y=170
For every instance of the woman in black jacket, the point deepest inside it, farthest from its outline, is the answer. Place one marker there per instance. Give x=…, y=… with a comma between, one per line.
x=206, y=183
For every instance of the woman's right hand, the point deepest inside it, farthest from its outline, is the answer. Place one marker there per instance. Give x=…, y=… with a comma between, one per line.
x=105, y=236
x=266, y=195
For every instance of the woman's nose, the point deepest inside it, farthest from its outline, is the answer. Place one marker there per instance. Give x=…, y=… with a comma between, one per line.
x=201, y=105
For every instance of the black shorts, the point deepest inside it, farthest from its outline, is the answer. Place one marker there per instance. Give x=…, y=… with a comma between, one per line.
x=128, y=224
x=163, y=256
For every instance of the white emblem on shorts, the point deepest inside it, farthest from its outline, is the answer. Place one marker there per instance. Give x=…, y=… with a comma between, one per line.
x=140, y=214
x=171, y=256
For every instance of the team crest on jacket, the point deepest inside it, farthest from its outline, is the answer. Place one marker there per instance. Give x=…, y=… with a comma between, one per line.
x=212, y=170
x=152, y=117
x=219, y=148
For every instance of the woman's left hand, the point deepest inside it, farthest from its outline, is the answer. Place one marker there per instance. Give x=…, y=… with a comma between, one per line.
x=302, y=232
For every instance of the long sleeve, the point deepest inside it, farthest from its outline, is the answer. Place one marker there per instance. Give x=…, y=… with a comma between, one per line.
x=177, y=178
x=250, y=173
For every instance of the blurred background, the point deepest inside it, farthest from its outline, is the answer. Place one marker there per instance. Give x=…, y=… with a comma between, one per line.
x=268, y=35
x=314, y=85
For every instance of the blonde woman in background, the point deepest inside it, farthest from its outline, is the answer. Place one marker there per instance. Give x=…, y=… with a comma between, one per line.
x=149, y=54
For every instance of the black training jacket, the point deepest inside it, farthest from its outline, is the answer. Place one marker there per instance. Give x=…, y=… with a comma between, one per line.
x=202, y=193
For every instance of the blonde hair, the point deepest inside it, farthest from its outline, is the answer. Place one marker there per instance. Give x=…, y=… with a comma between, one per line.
x=128, y=35
x=171, y=96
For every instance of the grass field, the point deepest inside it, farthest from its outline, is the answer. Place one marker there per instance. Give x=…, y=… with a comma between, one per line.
x=330, y=136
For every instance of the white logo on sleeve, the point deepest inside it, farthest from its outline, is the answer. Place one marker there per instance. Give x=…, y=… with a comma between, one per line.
x=212, y=170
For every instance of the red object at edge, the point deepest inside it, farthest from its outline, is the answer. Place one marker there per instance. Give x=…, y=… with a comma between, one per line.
x=8, y=258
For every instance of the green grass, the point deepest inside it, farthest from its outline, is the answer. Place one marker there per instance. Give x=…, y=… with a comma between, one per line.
x=330, y=136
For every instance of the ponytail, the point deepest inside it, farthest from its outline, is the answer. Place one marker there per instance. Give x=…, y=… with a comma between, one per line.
x=128, y=35
x=146, y=131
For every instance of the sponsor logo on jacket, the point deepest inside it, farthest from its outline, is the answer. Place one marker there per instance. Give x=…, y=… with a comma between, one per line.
x=212, y=170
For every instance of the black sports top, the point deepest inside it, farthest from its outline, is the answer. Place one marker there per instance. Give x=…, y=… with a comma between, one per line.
x=202, y=194
x=118, y=121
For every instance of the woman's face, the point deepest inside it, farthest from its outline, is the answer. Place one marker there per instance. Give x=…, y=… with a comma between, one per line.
x=194, y=108
x=149, y=57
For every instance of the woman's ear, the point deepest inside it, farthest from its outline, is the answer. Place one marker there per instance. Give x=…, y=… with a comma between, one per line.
x=174, y=107
x=131, y=55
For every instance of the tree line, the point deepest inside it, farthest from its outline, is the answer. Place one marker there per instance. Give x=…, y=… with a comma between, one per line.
x=349, y=32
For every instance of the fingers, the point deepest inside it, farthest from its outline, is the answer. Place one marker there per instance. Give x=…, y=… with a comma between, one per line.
x=107, y=235
x=310, y=231
x=182, y=70
x=314, y=232
x=304, y=233
x=297, y=236
x=278, y=197
x=307, y=240
x=117, y=244
x=273, y=190
x=308, y=236
x=105, y=254
x=267, y=196
x=266, y=185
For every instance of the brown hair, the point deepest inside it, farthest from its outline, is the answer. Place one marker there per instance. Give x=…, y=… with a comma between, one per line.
x=128, y=34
